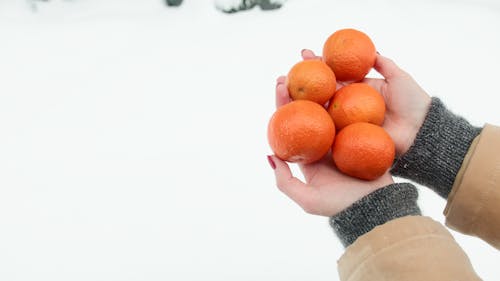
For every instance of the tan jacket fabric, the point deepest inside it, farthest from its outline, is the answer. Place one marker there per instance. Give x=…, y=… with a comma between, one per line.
x=474, y=202
x=412, y=248
x=419, y=248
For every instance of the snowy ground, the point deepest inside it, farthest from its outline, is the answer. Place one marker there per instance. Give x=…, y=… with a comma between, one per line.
x=133, y=136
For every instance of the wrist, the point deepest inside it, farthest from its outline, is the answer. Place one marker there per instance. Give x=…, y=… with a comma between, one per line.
x=383, y=205
x=438, y=149
x=417, y=120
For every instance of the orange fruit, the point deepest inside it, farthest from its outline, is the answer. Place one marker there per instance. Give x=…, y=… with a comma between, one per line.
x=311, y=80
x=357, y=102
x=363, y=150
x=350, y=53
x=301, y=131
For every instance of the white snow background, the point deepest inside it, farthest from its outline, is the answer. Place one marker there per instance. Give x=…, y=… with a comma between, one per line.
x=133, y=136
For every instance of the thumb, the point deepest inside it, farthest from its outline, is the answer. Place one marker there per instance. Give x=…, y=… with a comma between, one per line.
x=309, y=55
x=387, y=67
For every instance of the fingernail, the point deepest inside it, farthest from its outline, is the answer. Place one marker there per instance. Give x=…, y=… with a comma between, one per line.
x=302, y=52
x=271, y=162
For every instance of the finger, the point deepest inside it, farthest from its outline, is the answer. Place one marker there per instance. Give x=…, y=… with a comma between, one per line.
x=291, y=186
x=309, y=55
x=387, y=67
x=375, y=83
x=281, y=79
x=282, y=96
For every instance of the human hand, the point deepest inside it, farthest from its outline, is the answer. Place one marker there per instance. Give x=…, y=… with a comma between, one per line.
x=326, y=191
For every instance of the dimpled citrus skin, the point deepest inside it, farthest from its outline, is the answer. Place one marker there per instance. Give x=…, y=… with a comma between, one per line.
x=301, y=131
x=357, y=102
x=350, y=54
x=363, y=150
x=311, y=80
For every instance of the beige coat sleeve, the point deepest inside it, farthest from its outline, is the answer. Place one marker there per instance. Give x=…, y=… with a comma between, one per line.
x=474, y=202
x=419, y=248
x=412, y=248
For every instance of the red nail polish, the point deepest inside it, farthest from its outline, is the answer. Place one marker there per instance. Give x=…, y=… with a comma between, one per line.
x=271, y=162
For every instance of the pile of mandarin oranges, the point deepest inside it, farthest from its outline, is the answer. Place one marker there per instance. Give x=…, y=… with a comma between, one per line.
x=324, y=120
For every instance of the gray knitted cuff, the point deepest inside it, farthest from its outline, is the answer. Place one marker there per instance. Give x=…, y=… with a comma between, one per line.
x=438, y=150
x=385, y=204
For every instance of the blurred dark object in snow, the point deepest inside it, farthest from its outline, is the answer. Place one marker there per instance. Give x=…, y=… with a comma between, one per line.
x=226, y=6
x=33, y=6
x=244, y=5
x=174, y=3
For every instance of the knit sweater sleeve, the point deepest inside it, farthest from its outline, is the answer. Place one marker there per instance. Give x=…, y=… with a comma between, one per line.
x=385, y=204
x=438, y=151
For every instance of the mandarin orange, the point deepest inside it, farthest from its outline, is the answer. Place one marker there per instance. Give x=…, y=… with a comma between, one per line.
x=357, y=102
x=301, y=131
x=311, y=80
x=350, y=53
x=363, y=150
